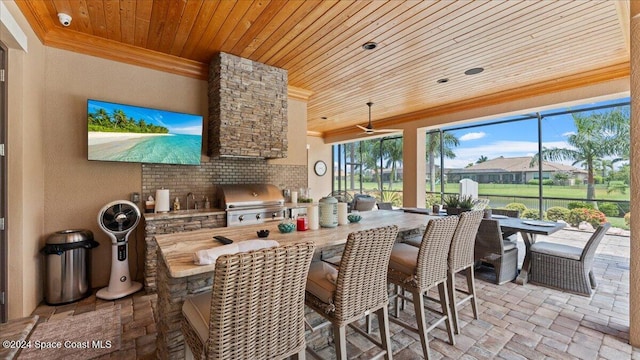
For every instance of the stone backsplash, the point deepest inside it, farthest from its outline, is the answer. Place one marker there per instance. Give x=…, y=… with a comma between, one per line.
x=201, y=180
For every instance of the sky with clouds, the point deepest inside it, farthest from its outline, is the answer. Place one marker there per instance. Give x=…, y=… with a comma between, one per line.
x=512, y=139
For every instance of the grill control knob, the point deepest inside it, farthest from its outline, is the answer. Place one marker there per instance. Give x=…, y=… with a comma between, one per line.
x=258, y=216
x=240, y=218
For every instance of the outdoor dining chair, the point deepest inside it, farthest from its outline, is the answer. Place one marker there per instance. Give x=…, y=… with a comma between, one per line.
x=491, y=248
x=359, y=287
x=461, y=260
x=566, y=267
x=419, y=269
x=510, y=235
x=256, y=308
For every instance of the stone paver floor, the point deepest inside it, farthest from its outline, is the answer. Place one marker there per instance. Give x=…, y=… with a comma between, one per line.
x=516, y=322
x=531, y=322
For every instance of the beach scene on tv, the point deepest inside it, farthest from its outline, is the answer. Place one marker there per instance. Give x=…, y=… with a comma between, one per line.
x=118, y=132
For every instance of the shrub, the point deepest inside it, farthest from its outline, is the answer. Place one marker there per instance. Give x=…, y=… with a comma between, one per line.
x=627, y=218
x=609, y=209
x=579, y=205
x=516, y=206
x=558, y=212
x=544, y=182
x=592, y=216
x=532, y=214
x=617, y=186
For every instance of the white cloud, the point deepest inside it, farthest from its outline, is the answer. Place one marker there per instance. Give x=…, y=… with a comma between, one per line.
x=189, y=130
x=472, y=136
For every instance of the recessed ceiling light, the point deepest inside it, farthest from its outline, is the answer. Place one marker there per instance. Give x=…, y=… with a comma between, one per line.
x=369, y=45
x=474, y=71
x=442, y=81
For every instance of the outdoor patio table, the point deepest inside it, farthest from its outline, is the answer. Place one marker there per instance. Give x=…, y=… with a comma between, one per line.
x=528, y=229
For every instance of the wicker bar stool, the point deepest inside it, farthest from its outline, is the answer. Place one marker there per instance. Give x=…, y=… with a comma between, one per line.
x=358, y=288
x=256, y=308
x=417, y=270
x=461, y=259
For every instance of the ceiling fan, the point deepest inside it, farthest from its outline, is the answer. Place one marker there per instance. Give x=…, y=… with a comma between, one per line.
x=369, y=128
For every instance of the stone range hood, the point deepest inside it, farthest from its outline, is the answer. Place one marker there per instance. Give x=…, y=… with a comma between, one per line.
x=247, y=108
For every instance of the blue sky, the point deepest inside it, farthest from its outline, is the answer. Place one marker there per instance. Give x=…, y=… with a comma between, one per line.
x=515, y=138
x=177, y=123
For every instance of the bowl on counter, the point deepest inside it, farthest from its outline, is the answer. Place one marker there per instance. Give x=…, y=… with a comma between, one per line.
x=286, y=227
x=263, y=233
x=354, y=218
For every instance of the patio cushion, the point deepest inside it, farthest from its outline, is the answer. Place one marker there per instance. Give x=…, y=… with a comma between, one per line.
x=413, y=240
x=566, y=251
x=404, y=258
x=319, y=281
x=508, y=245
x=197, y=310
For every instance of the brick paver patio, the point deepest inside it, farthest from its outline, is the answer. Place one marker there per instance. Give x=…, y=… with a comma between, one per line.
x=516, y=322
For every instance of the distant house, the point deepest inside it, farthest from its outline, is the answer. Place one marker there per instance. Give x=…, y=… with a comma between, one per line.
x=514, y=170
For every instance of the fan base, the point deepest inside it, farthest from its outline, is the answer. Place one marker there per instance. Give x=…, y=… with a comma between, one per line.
x=105, y=294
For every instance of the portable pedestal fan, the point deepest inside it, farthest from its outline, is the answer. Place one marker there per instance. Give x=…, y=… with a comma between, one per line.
x=118, y=219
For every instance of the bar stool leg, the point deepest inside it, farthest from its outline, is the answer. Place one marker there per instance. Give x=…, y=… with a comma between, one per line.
x=444, y=302
x=340, y=340
x=451, y=284
x=471, y=285
x=383, y=325
x=418, y=305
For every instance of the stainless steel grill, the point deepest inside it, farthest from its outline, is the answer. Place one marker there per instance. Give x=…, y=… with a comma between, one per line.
x=251, y=203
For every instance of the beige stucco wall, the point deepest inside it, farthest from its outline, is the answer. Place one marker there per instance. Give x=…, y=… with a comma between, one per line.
x=296, y=130
x=319, y=185
x=25, y=172
x=75, y=188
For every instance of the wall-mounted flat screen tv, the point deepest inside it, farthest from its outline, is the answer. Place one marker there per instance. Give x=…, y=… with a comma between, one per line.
x=118, y=132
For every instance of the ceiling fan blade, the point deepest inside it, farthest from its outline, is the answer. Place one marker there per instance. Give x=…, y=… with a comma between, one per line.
x=363, y=128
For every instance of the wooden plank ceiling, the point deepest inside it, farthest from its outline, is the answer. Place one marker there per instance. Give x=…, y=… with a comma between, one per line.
x=525, y=47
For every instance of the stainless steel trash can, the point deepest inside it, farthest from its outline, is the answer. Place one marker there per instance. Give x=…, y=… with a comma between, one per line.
x=68, y=266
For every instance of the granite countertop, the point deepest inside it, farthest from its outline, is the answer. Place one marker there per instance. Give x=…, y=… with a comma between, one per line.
x=183, y=213
x=177, y=249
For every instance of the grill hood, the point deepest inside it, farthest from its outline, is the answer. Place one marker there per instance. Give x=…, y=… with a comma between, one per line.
x=240, y=196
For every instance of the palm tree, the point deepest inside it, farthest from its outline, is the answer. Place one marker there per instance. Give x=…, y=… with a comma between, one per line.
x=370, y=153
x=392, y=152
x=433, y=151
x=481, y=159
x=598, y=135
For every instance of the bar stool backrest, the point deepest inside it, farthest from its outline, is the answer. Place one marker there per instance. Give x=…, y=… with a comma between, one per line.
x=463, y=243
x=434, y=248
x=362, y=279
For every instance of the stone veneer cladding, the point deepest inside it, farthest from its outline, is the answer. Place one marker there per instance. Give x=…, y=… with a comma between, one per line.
x=247, y=108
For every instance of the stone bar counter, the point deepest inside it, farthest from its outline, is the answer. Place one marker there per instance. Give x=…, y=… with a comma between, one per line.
x=178, y=277
x=174, y=222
